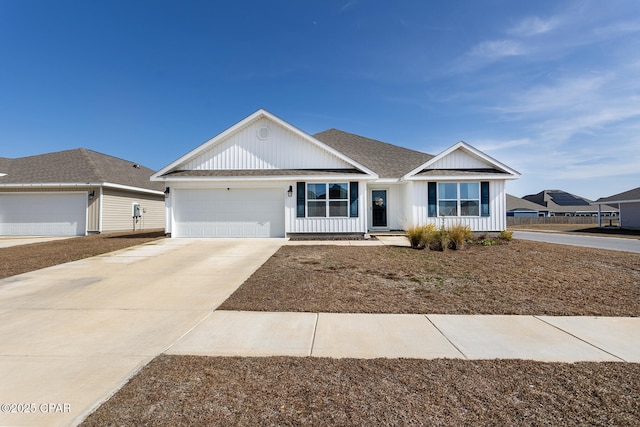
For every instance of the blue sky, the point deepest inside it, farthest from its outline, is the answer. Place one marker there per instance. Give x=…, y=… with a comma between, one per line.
x=551, y=88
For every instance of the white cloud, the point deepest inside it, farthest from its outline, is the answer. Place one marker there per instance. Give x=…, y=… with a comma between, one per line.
x=496, y=49
x=533, y=25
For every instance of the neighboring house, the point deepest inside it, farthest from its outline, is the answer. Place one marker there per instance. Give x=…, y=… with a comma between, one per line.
x=629, y=205
x=75, y=192
x=561, y=203
x=265, y=178
x=518, y=207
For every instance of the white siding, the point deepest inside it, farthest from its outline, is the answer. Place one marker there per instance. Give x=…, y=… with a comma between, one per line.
x=282, y=150
x=460, y=159
x=43, y=214
x=398, y=206
x=497, y=208
x=328, y=225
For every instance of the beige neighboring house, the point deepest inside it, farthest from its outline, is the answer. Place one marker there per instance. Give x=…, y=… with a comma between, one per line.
x=77, y=192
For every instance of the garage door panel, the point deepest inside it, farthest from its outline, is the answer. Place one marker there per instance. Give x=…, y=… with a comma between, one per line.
x=229, y=213
x=43, y=214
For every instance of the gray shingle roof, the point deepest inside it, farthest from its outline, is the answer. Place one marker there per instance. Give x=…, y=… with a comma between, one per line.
x=633, y=194
x=516, y=203
x=387, y=160
x=76, y=166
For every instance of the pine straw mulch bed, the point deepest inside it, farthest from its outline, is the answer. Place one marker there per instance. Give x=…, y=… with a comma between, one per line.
x=199, y=391
x=24, y=258
x=521, y=277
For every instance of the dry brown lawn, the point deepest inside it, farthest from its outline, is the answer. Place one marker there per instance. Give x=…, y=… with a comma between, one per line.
x=521, y=277
x=289, y=391
x=25, y=258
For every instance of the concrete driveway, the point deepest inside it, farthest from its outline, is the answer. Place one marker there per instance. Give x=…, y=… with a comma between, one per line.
x=610, y=243
x=72, y=334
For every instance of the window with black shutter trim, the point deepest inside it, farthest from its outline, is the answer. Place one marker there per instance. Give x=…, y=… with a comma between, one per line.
x=484, y=199
x=353, y=202
x=300, y=195
x=432, y=199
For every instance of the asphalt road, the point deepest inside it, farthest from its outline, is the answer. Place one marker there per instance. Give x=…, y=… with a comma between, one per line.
x=610, y=243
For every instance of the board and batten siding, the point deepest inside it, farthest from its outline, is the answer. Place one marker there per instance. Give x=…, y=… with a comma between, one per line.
x=497, y=208
x=459, y=159
x=283, y=149
x=328, y=225
x=118, y=209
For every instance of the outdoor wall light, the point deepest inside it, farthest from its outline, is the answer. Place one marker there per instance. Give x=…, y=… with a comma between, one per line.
x=290, y=191
x=166, y=191
x=92, y=194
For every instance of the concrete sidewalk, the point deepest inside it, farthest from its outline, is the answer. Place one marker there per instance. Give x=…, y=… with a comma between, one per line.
x=430, y=336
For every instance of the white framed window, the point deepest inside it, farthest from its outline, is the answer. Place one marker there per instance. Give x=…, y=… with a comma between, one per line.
x=459, y=198
x=327, y=200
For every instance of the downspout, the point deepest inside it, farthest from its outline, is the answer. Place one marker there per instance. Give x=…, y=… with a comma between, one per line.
x=599, y=216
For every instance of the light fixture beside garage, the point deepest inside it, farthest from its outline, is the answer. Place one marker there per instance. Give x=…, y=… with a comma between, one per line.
x=92, y=194
x=290, y=191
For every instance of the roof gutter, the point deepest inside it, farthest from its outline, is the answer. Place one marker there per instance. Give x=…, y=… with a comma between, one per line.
x=266, y=178
x=83, y=185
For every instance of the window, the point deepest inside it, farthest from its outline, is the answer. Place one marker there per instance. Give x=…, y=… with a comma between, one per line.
x=327, y=200
x=459, y=199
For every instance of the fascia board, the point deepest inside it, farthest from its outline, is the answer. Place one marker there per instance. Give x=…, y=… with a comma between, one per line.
x=331, y=178
x=130, y=188
x=462, y=178
x=472, y=150
x=260, y=113
x=615, y=201
x=81, y=185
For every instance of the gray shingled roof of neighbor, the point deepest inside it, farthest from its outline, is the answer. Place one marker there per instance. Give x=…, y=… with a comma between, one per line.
x=633, y=194
x=262, y=172
x=514, y=203
x=386, y=160
x=77, y=166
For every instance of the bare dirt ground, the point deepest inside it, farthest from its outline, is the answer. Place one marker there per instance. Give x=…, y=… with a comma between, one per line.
x=522, y=277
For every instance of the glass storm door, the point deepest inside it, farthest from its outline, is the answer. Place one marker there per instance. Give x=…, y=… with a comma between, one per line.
x=379, y=208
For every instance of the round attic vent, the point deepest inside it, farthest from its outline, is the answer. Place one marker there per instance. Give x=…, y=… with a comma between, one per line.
x=264, y=133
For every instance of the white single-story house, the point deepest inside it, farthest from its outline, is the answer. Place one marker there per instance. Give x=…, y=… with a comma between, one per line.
x=629, y=207
x=76, y=192
x=263, y=177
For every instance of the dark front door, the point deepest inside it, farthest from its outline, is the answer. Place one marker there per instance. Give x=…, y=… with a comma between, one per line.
x=379, y=208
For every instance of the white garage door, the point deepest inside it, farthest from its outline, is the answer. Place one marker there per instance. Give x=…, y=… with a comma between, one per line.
x=228, y=213
x=43, y=214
